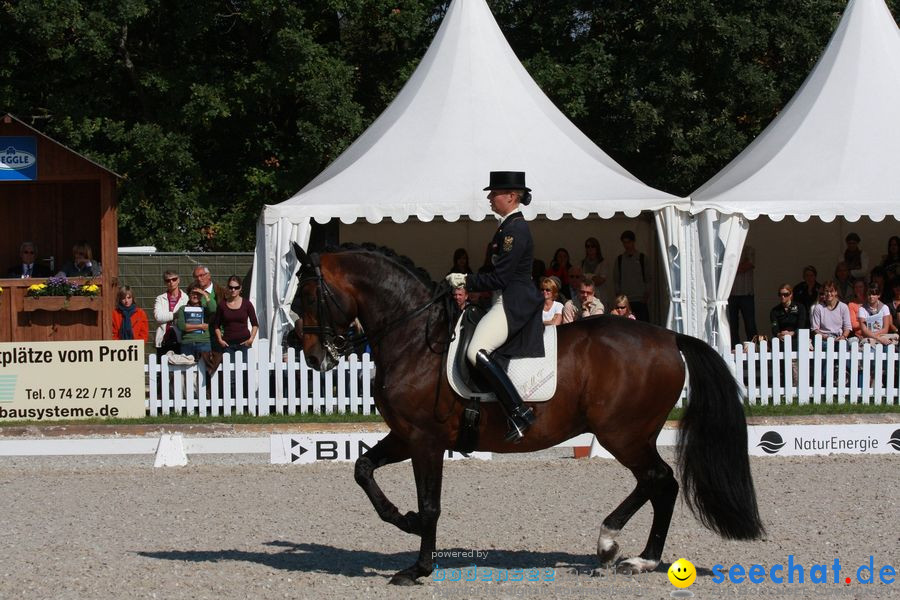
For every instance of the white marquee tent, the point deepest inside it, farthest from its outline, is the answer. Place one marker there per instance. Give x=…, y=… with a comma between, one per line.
x=469, y=108
x=833, y=151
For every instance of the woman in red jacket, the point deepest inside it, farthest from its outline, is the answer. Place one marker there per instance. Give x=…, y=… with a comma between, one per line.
x=128, y=320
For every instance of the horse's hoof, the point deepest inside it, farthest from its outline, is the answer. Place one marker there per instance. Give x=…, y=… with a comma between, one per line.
x=403, y=578
x=633, y=566
x=608, y=556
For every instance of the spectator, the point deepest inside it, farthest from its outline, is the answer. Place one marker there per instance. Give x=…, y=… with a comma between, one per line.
x=82, y=263
x=210, y=290
x=537, y=272
x=875, y=319
x=787, y=316
x=621, y=307
x=552, y=308
x=29, y=267
x=487, y=265
x=831, y=318
x=891, y=260
x=460, y=302
x=895, y=302
x=585, y=304
x=576, y=277
x=630, y=277
x=843, y=282
x=230, y=322
x=193, y=320
x=559, y=268
x=879, y=278
x=857, y=260
x=460, y=262
x=593, y=263
x=856, y=301
x=129, y=321
x=741, y=301
x=164, y=309
x=807, y=291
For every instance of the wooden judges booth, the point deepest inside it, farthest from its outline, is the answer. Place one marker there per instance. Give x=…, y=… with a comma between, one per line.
x=53, y=197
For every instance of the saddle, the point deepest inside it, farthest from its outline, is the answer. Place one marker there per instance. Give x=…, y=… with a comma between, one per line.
x=534, y=378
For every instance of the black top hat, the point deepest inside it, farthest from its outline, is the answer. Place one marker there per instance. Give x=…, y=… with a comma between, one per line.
x=507, y=180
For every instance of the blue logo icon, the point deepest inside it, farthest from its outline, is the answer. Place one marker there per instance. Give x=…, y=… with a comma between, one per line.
x=18, y=158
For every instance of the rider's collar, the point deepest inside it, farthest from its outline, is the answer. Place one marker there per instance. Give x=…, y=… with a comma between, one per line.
x=507, y=217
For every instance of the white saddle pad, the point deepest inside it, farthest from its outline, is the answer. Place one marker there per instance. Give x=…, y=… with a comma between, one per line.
x=535, y=378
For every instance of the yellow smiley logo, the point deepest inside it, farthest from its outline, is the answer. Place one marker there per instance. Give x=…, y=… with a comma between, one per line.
x=682, y=573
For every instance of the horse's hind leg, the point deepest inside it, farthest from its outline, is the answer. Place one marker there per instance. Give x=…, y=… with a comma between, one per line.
x=387, y=451
x=655, y=482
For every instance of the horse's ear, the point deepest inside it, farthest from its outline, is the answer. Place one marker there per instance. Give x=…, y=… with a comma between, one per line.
x=302, y=256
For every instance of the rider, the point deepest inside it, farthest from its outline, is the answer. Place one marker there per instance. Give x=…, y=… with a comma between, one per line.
x=513, y=326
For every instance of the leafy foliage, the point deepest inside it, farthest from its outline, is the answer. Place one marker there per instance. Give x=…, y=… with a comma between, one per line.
x=212, y=109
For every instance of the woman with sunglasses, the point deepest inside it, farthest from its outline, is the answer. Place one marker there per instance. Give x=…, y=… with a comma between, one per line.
x=787, y=316
x=875, y=319
x=230, y=323
x=167, y=304
x=552, y=309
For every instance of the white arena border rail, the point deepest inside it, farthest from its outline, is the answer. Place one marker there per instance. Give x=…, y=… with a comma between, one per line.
x=809, y=370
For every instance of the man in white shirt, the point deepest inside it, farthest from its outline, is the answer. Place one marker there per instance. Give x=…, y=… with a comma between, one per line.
x=29, y=266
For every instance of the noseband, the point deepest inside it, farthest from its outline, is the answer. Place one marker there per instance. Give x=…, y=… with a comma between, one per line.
x=338, y=345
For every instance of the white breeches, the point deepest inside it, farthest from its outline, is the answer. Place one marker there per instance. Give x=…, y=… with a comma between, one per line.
x=491, y=332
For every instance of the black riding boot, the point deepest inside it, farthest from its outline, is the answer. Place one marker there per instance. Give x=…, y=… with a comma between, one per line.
x=520, y=416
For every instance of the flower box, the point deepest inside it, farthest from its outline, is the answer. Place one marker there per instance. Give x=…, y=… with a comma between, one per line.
x=57, y=303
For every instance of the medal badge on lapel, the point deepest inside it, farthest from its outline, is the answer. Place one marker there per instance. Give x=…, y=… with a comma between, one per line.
x=507, y=243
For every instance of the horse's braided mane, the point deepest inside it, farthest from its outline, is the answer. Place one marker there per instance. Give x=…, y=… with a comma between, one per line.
x=403, y=261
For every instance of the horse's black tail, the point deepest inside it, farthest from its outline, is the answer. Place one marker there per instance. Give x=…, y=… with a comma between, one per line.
x=712, y=447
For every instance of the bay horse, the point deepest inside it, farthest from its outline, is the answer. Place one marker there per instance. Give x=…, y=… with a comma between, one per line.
x=618, y=379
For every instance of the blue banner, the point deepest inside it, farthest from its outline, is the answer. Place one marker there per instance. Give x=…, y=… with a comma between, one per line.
x=18, y=158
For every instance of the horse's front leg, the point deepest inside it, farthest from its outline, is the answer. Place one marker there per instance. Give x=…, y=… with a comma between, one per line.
x=388, y=451
x=428, y=465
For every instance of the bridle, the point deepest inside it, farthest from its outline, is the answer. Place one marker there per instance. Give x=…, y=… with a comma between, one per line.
x=342, y=344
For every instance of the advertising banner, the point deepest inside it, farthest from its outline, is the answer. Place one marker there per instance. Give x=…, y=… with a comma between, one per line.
x=42, y=381
x=809, y=440
x=310, y=448
x=18, y=158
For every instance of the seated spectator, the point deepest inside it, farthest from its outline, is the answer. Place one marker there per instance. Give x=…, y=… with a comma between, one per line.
x=559, y=268
x=875, y=319
x=460, y=262
x=879, y=277
x=585, y=304
x=807, y=291
x=621, y=307
x=192, y=320
x=82, y=263
x=843, y=282
x=460, y=302
x=891, y=261
x=552, y=308
x=857, y=260
x=29, y=267
x=831, y=319
x=570, y=292
x=858, y=299
x=537, y=272
x=895, y=303
x=787, y=316
x=129, y=321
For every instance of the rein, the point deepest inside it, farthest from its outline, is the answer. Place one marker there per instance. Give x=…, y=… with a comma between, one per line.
x=338, y=345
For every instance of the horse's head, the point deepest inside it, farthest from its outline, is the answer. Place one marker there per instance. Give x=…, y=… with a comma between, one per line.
x=326, y=310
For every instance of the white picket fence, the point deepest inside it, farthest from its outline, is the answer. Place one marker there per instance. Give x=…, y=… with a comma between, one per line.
x=260, y=386
x=813, y=370
x=808, y=370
